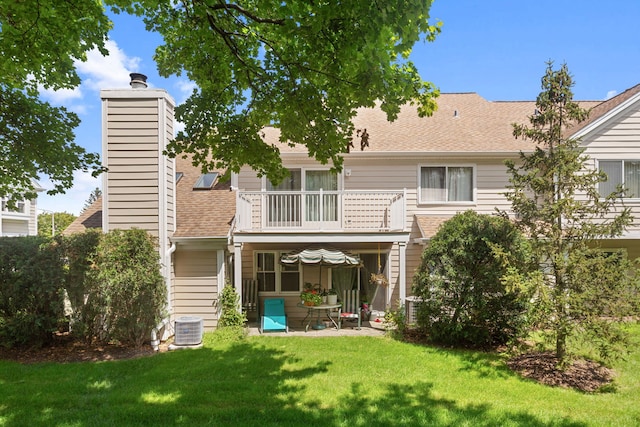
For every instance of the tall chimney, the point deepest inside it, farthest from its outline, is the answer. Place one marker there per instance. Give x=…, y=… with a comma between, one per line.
x=138, y=81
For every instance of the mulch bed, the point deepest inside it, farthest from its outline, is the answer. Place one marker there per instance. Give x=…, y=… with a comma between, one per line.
x=64, y=349
x=583, y=375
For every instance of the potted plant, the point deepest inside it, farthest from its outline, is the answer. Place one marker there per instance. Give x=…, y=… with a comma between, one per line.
x=332, y=296
x=379, y=279
x=311, y=295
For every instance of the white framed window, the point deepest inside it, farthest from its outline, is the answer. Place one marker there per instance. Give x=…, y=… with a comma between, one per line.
x=287, y=206
x=446, y=183
x=20, y=206
x=275, y=277
x=620, y=172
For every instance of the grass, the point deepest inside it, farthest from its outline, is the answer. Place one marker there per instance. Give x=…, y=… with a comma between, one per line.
x=299, y=381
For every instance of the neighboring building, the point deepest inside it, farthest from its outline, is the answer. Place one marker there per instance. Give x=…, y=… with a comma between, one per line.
x=22, y=220
x=384, y=206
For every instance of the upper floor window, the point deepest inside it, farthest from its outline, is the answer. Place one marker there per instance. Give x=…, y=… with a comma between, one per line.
x=620, y=172
x=19, y=207
x=442, y=184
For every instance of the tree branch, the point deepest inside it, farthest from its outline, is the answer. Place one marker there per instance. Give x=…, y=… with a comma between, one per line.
x=237, y=8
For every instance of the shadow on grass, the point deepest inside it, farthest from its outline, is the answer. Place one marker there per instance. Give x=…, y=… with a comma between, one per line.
x=242, y=384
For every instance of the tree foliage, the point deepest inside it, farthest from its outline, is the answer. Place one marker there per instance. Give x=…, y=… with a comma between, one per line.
x=303, y=67
x=554, y=193
x=54, y=221
x=462, y=281
x=40, y=41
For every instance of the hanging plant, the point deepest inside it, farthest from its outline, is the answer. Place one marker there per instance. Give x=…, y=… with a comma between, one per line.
x=378, y=278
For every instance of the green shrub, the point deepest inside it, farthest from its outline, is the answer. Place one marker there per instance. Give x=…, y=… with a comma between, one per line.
x=31, y=290
x=230, y=303
x=129, y=283
x=461, y=280
x=395, y=321
x=88, y=309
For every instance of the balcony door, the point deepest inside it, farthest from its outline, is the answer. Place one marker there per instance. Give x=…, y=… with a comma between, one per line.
x=284, y=207
x=321, y=199
x=307, y=198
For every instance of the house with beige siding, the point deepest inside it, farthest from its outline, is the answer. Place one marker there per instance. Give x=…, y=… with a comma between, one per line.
x=383, y=206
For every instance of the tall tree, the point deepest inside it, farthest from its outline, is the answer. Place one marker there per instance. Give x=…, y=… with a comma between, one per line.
x=39, y=42
x=554, y=194
x=95, y=195
x=301, y=66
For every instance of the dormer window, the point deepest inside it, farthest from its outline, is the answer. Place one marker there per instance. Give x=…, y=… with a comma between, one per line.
x=179, y=175
x=206, y=181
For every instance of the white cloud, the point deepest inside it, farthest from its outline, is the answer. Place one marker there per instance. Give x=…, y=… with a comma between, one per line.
x=611, y=94
x=61, y=96
x=74, y=199
x=185, y=89
x=97, y=72
x=108, y=72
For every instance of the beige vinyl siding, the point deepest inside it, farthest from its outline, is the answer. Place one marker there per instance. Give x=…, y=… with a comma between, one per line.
x=195, y=285
x=618, y=140
x=170, y=171
x=132, y=156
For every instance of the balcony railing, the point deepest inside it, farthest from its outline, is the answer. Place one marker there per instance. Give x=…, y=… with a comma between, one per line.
x=320, y=210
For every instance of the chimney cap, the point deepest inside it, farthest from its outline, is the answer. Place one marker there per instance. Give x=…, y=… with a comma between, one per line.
x=138, y=80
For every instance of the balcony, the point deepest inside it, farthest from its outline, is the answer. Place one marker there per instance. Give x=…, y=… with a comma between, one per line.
x=289, y=211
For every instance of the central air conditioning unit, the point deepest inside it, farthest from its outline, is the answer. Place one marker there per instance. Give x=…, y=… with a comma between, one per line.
x=411, y=308
x=189, y=330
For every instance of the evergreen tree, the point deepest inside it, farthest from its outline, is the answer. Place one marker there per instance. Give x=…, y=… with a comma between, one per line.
x=95, y=195
x=554, y=194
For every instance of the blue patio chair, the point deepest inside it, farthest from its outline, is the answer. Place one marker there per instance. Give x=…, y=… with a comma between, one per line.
x=273, y=317
x=351, y=307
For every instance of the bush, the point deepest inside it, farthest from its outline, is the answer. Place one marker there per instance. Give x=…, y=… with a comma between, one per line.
x=461, y=281
x=31, y=290
x=231, y=315
x=128, y=283
x=87, y=309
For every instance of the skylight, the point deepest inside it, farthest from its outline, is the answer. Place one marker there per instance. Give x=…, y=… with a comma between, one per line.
x=206, y=181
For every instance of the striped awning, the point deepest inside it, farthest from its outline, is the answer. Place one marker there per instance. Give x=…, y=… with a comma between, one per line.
x=321, y=256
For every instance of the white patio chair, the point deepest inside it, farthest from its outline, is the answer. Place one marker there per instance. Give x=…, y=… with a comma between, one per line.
x=351, y=309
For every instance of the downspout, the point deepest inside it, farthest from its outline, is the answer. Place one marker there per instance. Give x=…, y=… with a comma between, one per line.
x=155, y=341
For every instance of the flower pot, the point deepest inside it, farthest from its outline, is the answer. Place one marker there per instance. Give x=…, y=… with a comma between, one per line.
x=332, y=299
x=309, y=303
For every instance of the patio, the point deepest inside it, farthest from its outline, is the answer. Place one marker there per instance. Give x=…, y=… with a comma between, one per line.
x=296, y=328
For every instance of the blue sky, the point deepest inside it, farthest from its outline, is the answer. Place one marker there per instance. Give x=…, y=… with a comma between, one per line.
x=497, y=48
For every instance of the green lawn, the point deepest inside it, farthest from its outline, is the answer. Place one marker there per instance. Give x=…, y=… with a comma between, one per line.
x=278, y=381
